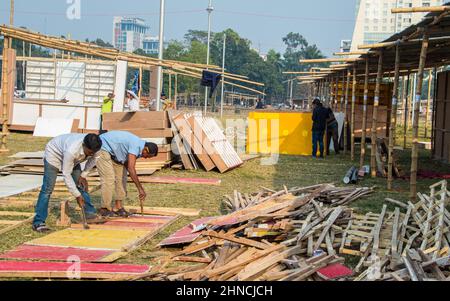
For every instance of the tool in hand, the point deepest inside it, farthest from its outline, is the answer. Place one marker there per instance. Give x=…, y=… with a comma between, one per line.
x=142, y=206
x=83, y=216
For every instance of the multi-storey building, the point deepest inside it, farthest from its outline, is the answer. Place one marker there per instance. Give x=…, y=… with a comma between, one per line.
x=375, y=22
x=129, y=33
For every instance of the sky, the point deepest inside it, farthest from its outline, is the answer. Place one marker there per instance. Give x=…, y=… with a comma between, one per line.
x=264, y=22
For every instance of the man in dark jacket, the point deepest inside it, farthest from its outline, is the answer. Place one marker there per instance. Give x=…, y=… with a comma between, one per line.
x=320, y=115
x=332, y=132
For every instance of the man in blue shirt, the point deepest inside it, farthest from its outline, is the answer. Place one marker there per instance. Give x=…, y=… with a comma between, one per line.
x=118, y=154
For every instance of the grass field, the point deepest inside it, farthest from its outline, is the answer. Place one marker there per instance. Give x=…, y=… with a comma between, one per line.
x=289, y=171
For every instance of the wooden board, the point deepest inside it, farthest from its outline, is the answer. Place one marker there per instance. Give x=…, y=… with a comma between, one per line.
x=177, y=180
x=185, y=234
x=28, y=269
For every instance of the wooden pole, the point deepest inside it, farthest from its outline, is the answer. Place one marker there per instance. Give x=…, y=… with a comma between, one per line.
x=5, y=88
x=364, y=121
x=393, y=124
x=140, y=81
x=427, y=112
x=352, y=125
x=376, y=103
x=415, y=144
x=410, y=103
x=403, y=99
x=336, y=99
x=176, y=92
x=341, y=104
x=347, y=87
x=405, y=120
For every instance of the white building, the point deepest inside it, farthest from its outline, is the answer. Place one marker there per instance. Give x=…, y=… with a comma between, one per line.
x=375, y=22
x=151, y=45
x=129, y=33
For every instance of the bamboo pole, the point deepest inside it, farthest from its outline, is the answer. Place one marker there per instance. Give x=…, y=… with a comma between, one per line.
x=403, y=99
x=350, y=53
x=343, y=92
x=376, y=103
x=336, y=99
x=345, y=112
x=5, y=88
x=405, y=112
x=175, y=104
x=423, y=9
x=140, y=81
x=352, y=124
x=410, y=104
x=415, y=144
x=427, y=112
x=393, y=124
x=364, y=121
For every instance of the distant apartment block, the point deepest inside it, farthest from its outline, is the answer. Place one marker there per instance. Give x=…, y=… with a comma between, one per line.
x=346, y=45
x=375, y=22
x=129, y=33
x=151, y=45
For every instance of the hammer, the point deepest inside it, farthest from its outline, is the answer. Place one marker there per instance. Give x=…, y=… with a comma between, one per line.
x=83, y=216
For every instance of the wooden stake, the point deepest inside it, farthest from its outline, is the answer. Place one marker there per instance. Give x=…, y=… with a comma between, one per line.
x=393, y=124
x=415, y=144
x=376, y=103
x=352, y=125
x=427, y=112
x=364, y=121
x=347, y=87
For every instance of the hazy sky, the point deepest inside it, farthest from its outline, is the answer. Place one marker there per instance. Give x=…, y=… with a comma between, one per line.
x=264, y=22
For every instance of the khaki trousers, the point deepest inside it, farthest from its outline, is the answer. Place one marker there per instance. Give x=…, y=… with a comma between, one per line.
x=113, y=178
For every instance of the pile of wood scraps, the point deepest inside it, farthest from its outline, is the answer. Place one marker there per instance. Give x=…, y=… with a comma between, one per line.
x=292, y=234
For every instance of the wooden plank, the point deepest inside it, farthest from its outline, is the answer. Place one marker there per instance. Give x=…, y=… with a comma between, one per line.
x=16, y=225
x=166, y=210
x=242, y=241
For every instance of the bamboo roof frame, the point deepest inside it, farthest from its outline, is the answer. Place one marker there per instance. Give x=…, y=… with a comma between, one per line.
x=112, y=54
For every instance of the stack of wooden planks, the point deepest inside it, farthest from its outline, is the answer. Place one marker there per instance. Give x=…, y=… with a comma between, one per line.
x=200, y=141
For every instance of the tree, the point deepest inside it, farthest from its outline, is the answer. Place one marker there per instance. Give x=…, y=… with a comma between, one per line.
x=297, y=48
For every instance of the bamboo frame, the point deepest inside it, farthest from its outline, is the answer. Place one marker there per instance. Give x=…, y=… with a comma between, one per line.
x=341, y=104
x=393, y=124
x=376, y=103
x=352, y=124
x=364, y=122
x=415, y=144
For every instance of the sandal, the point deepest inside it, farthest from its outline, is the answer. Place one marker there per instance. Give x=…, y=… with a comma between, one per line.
x=122, y=213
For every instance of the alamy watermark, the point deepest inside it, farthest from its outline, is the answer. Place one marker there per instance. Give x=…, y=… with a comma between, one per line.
x=73, y=11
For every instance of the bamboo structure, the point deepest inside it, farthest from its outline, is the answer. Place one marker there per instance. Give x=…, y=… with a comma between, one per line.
x=364, y=121
x=393, y=124
x=414, y=152
x=427, y=112
x=376, y=103
x=5, y=88
x=336, y=98
x=345, y=112
x=352, y=124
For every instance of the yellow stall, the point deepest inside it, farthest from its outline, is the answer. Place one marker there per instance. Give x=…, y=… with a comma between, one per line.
x=287, y=133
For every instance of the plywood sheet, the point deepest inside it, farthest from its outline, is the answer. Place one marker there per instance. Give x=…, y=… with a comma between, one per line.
x=52, y=127
x=185, y=234
x=31, y=252
x=30, y=269
x=120, y=86
x=100, y=239
x=15, y=184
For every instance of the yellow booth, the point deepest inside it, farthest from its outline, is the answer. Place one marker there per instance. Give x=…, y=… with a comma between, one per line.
x=287, y=133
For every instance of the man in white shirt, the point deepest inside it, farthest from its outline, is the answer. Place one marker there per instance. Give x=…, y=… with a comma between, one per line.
x=132, y=102
x=65, y=153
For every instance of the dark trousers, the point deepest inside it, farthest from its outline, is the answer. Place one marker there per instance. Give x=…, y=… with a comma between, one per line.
x=317, y=137
x=333, y=133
